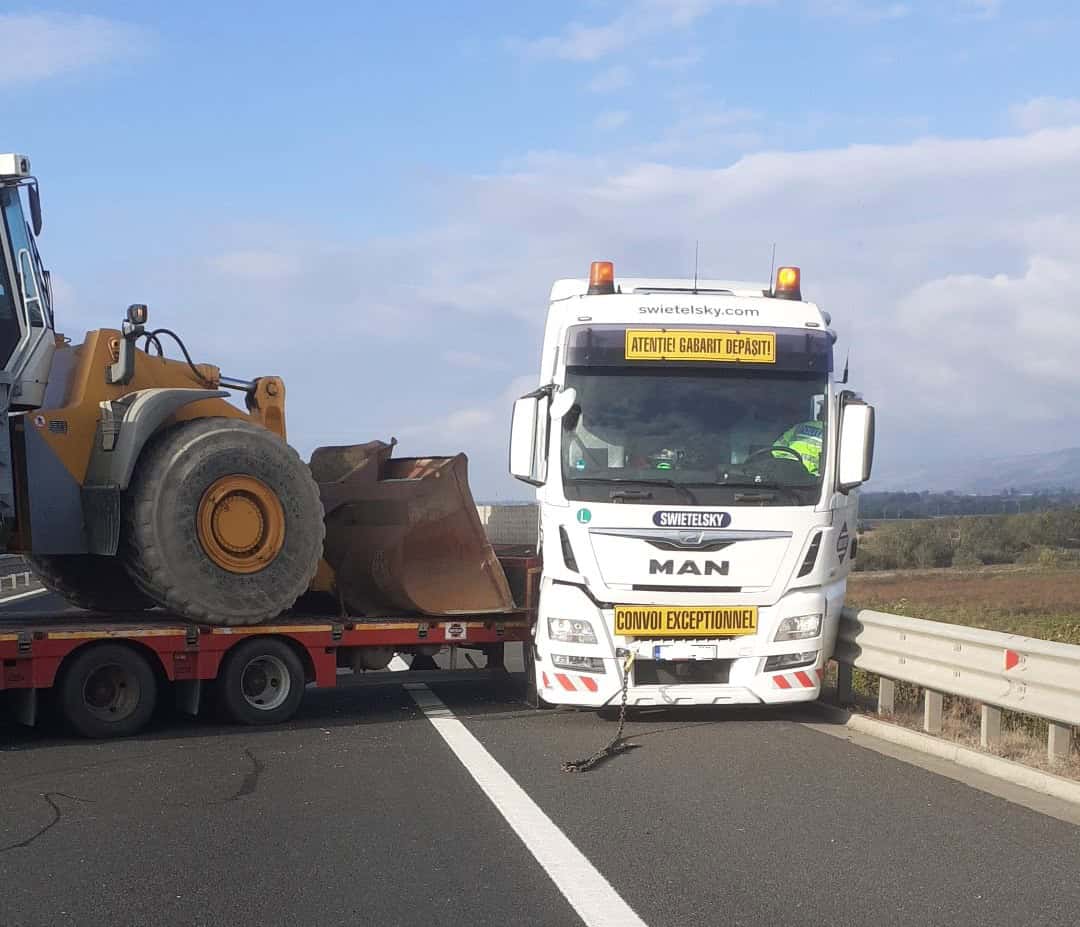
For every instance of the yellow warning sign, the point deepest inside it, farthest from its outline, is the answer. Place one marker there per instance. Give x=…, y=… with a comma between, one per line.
x=700, y=345
x=685, y=620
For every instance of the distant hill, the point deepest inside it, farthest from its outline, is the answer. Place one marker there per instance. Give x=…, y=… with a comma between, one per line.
x=1024, y=472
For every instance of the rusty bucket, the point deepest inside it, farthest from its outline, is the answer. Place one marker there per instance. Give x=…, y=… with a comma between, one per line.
x=403, y=535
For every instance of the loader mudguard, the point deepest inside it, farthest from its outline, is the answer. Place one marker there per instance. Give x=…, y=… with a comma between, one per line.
x=126, y=425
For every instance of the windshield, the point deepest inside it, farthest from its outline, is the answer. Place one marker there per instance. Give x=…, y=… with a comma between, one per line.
x=687, y=436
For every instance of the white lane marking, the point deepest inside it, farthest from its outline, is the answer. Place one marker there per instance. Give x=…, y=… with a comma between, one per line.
x=22, y=595
x=588, y=892
x=398, y=664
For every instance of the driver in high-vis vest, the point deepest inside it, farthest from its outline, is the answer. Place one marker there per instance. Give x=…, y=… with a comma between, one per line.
x=804, y=439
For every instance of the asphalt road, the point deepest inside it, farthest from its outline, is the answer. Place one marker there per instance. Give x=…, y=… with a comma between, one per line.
x=358, y=812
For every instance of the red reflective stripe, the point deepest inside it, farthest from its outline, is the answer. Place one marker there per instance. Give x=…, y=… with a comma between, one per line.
x=547, y=682
x=781, y=682
x=565, y=682
x=807, y=682
x=589, y=684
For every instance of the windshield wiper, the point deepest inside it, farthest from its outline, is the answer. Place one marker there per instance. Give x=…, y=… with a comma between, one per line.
x=677, y=486
x=766, y=485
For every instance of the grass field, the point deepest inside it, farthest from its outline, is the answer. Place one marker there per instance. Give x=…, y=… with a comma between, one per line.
x=1032, y=601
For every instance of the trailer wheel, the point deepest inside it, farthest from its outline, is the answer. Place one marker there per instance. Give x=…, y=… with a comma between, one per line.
x=100, y=584
x=108, y=690
x=222, y=522
x=262, y=682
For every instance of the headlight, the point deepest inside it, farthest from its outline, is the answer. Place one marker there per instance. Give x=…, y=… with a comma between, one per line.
x=571, y=630
x=794, y=629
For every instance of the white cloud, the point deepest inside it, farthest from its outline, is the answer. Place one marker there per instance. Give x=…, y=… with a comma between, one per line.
x=610, y=80
x=612, y=119
x=1025, y=324
x=710, y=131
x=639, y=19
x=949, y=267
x=1045, y=112
x=36, y=46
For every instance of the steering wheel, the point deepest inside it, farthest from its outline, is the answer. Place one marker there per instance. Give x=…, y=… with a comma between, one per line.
x=760, y=452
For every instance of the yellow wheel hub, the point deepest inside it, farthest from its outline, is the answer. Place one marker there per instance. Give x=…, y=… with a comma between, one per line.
x=241, y=524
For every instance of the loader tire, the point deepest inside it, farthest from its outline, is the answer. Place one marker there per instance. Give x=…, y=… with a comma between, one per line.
x=222, y=522
x=100, y=584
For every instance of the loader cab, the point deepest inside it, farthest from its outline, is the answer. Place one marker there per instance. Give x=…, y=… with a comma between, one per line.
x=26, y=321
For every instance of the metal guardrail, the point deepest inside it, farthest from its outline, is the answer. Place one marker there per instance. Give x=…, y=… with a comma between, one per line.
x=17, y=580
x=1001, y=671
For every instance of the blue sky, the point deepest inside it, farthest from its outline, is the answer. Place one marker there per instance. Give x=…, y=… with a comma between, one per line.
x=372, y=199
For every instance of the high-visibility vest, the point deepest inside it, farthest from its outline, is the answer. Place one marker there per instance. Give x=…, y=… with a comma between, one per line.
x=805, y=440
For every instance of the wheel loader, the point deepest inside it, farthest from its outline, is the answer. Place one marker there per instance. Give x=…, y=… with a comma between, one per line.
x=131, y=481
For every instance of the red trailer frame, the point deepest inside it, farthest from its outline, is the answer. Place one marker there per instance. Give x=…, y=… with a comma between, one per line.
x=40, y=652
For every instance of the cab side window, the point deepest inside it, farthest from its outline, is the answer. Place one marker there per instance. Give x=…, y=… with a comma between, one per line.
x=22, y=257
x=9, y=319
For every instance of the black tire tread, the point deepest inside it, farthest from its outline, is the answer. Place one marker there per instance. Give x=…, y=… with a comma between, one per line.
x=232, y=702
x=71, y=690
x=145, y=561
x=96, y=583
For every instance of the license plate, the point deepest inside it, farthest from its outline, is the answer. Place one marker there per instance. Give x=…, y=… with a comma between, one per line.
x=685, y=620
x=674, y=652
x=700, y=345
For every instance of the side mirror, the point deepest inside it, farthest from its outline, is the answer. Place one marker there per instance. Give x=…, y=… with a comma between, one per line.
x=528, y=438
x=562, y=403
x=856, y=445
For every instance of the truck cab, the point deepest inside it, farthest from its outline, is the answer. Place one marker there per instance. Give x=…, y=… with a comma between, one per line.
x=696, y=465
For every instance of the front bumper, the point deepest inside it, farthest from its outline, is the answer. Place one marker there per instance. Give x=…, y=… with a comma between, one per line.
x=562, y=687
x=732, y=674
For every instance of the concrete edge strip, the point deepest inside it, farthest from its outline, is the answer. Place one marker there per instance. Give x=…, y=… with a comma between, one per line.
x=996, y=766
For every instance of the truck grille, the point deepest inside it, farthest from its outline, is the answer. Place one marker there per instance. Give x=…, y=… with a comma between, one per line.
x=676, y=672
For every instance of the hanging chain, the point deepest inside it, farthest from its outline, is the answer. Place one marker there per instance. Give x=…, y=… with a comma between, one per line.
x=617, y=744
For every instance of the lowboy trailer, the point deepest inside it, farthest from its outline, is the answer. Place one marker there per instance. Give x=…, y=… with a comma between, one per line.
x=110, y=672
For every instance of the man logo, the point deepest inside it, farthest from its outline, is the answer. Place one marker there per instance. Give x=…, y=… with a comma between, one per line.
x=689, y=568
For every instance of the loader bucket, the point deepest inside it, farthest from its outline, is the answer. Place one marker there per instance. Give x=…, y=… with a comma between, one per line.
x=404, y=536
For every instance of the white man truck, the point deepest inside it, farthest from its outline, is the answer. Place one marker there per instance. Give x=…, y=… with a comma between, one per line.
x=694, y=460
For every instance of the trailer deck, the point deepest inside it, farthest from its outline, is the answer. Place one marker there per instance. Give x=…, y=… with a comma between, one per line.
x=109, y=653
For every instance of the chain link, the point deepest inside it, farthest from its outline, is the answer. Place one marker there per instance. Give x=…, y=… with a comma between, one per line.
x=617, y=745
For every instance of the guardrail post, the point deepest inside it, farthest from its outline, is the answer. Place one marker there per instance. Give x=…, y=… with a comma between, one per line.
x=1058, y=742
x=843, y=684
x=933, y=704
x=990, y=726
x=886, y=696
